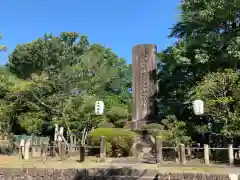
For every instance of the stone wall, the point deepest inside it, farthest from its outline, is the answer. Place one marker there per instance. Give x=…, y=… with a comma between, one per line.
x=103, y=174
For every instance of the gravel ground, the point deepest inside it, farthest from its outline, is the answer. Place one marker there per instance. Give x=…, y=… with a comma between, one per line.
x=92, y=162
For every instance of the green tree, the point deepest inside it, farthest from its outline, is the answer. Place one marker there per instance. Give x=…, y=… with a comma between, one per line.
x=14, y=102
x=47, y=54
x=207, y=43
x=67, y=76
x=220, y=92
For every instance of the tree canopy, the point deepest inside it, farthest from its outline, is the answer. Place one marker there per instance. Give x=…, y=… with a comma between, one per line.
x=57, y=79
x=203, y=64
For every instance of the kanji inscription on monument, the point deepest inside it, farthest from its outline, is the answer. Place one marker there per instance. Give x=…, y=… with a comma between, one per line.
x=144, y=85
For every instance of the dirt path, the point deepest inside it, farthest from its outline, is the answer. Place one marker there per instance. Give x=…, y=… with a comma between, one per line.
x=202, y=169
x=91, y=162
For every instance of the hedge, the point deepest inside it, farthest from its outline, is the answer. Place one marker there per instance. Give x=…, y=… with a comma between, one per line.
x=118, y=140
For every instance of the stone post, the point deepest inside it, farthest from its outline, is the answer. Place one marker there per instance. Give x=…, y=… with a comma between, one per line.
x=26, y=149
x=144, y=86
x=182, y=154
x=206, y=154
x=189, y=152
x=33, y=146
x=102, y=149
x=38, y=144
x=62, y=151
x=59, y=139
x=230, y=154
x=21, y=148
x=74, y=143
x=82, y=153
x=44, y=150
x=159, y=149
x=86, y=152
x=198, y=152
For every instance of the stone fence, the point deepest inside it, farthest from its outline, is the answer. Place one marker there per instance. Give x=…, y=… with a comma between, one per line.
x=105, y=174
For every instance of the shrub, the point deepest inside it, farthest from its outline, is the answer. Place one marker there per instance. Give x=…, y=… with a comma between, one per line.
x=118, y=140
x=156, y=130
x=6, y=150
x=105, y=124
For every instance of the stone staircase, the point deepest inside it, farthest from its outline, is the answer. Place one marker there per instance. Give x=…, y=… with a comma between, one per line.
x=143, y=147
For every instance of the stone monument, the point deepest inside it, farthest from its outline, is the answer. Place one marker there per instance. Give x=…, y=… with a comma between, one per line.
x=144, y=85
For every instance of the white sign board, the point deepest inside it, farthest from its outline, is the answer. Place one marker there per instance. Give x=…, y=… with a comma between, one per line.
x=198, y=107
x=99, y=107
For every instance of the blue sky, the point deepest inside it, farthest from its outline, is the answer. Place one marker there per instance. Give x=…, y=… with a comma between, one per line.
x=116, y=24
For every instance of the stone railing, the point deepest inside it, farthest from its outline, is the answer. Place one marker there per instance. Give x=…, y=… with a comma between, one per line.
x=105, y=174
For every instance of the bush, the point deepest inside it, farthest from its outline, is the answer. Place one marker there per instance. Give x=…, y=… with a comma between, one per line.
x=156, y=130
x=6, y=150
x=118, y=140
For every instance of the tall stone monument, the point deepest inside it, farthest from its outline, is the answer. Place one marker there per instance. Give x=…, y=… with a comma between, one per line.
x=144, y=85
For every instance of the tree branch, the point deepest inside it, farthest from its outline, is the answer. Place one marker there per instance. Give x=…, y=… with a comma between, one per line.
x=59, y=112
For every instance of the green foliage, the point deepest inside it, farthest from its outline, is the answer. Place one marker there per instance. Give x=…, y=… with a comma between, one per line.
x=118, y=140
x=6, y=150
x=57, y=79
x=202, y=64
x=171, y=130
x=153, y=128
x=2, y=47
x=220, y=93
x=176, y=131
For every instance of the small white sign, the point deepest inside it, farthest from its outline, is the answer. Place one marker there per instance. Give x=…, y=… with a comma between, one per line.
x=99, y=107
x=198, y=107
